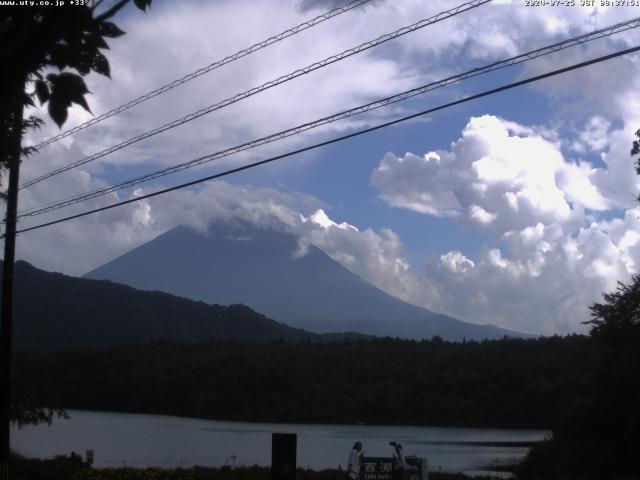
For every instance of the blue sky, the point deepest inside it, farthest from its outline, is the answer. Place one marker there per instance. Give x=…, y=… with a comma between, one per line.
x=516, y=209
x=339, y=175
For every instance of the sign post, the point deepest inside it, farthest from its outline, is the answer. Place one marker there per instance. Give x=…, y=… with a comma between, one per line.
x=381, y=468
x=283, y=456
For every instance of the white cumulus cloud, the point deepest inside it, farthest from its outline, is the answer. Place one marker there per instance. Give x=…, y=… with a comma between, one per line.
x=498, y=176
x=557, y=251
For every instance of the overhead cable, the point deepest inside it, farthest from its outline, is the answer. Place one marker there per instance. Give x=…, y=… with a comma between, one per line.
x=265, y=86
x=213, y=66
x=518, y=59
x=493, y=91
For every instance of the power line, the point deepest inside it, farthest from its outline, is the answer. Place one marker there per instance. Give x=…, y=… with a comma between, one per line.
x=521, y=58
x=213, y=66
x=341, y=115
x=341, y=138
x=265, y=86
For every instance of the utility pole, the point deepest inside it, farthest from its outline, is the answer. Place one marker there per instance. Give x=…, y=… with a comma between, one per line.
x=6, y=331
x=6, y=307
x=28, y=40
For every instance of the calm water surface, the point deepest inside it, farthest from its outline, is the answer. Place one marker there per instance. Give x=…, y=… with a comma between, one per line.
x=154, y=440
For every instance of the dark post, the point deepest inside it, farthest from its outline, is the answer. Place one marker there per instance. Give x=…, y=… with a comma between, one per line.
x=283, y=456
x=6, y=307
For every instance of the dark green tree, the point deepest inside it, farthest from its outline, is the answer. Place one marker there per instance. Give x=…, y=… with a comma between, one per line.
x=40, y=46
x=635, y=150
x=45, y=50
x=615, y=413
x=601, y=439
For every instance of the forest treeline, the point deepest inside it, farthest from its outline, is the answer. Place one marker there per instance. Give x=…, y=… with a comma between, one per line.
x=501, y=383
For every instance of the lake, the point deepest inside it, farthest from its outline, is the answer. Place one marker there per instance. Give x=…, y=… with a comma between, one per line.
x=155, y=440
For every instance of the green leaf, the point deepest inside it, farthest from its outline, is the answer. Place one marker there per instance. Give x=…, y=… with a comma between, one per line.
x=67, y=84
x=60, y=55
x=66, y=88
x=42, y=91
x=58, y=112
x=85, y=60
x=109, y=29
x=83, y=103
x=101, y=65
x=74, y=82
x=142, y=4
x=96, y=41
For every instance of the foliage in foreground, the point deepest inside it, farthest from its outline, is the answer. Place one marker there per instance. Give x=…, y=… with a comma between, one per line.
x=38, y=41
x=58, y=468
x=73, y=468
x=225, y=473
x=602, y=439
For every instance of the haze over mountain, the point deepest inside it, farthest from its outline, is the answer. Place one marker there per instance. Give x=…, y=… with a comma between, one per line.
x=263, y=268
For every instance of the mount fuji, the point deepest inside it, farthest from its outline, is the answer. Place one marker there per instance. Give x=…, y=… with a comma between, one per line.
x=239, y=263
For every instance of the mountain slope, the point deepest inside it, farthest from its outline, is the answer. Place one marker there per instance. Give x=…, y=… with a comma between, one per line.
x=240, y=263
x=54, y=311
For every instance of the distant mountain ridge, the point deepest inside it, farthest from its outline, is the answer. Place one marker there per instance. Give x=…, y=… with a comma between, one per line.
x=241, y=263
x=53, y=311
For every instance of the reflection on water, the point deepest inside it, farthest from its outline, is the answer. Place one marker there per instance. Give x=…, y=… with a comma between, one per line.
x=153, y=440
